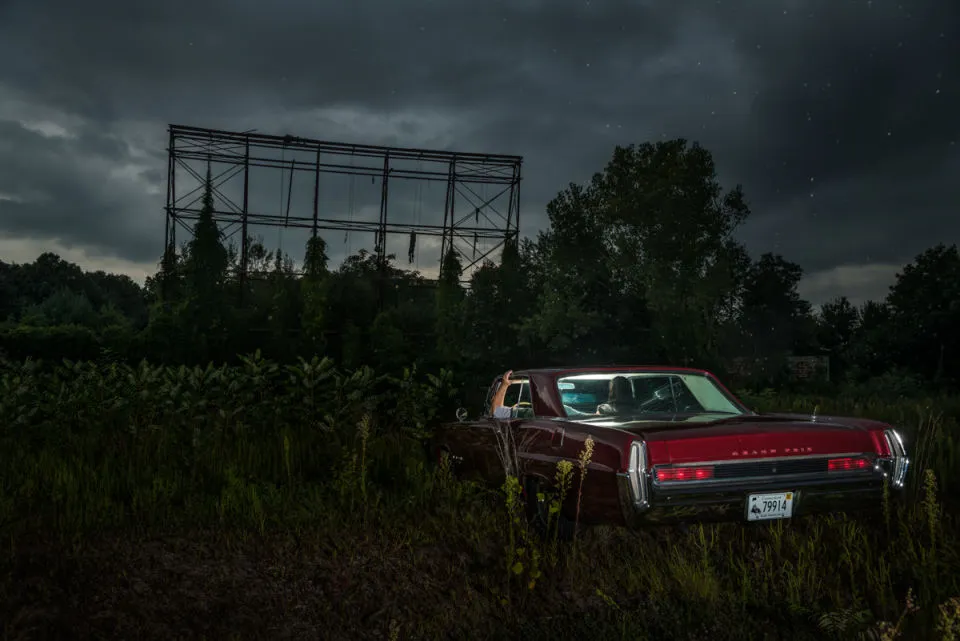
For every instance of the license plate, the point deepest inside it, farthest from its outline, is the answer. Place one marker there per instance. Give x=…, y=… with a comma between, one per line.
x=764, y=507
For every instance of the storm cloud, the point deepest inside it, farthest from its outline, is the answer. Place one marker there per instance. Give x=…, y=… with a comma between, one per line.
x=838, y=118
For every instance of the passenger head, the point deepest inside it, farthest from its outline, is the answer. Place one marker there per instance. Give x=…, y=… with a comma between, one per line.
x=620, y=390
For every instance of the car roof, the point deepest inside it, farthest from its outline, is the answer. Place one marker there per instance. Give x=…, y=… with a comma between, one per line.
x=580, y=369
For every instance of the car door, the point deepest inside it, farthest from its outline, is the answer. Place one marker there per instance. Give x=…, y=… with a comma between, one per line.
x=517, y=445
x=472, y=444
x=480, y=446
x=495, y=444
x=529, y=440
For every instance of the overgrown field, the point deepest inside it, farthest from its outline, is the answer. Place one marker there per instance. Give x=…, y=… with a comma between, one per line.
x=297, y=502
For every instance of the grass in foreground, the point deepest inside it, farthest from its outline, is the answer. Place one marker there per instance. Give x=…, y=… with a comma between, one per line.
x=268, y=502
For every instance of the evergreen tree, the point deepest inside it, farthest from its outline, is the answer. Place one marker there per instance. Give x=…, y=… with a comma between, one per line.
x=313, y=289
x=449, y=308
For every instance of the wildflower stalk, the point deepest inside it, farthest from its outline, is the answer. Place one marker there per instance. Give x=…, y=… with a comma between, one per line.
x=586, y=454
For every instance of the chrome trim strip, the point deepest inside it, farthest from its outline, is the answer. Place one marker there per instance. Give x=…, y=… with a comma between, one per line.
x=637, y=476
x=778, y=479
x=899, y=461
x=765, y=459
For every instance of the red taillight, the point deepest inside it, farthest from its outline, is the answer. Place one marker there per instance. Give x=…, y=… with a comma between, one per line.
x=847, y=464
x=684, y=473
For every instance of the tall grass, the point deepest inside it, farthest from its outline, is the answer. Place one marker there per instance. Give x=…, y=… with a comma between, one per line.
x=308, y=467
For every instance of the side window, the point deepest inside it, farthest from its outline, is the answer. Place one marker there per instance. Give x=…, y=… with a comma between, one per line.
x=513, y=395
x=519, y=393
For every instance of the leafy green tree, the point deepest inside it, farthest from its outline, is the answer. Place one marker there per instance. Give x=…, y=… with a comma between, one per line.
x=402, y=334
x=33, y=283
x=644, y=253
x=513, y=286
x=774, y=318
x=63, y=307
x=482, y=325
x=575, y=286
x=670, y=225
x=925, y=307
x=352, y=304
x=499, y=298
x=285, y=308
x=873, y=349
x=167, y=338
x=9, y=294
x=388, y=344
x=120, y=292
x=168, y=284
x=837, y=325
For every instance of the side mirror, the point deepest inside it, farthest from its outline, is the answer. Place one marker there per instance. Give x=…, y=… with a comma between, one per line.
x=461, y=414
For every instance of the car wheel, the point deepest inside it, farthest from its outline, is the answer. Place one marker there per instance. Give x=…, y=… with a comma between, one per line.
x=538, y=511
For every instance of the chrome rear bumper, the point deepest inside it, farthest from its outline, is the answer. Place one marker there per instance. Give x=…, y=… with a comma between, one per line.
x=647, y=502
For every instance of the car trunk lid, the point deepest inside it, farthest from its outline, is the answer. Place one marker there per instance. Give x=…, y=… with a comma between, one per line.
x=749, y=437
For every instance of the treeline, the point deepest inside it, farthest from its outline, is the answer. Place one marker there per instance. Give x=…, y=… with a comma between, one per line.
x=640, y=265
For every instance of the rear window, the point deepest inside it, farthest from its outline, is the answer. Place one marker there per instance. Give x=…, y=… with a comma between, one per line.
x=643, y=392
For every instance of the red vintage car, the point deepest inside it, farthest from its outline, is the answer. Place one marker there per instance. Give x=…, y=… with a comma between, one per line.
x=670, y=445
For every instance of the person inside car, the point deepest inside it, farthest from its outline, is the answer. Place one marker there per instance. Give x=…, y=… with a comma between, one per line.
x=620, y=399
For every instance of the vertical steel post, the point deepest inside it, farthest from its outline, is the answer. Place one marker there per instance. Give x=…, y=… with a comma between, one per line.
x=316, y=194
x=382, y=230
x=245, y=239
x=445, y=242
x=170, y=203
x=169, y=235
x=517, y=216
x=173, y=190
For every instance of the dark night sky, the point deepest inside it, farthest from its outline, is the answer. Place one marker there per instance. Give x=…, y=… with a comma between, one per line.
x=840, y=118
